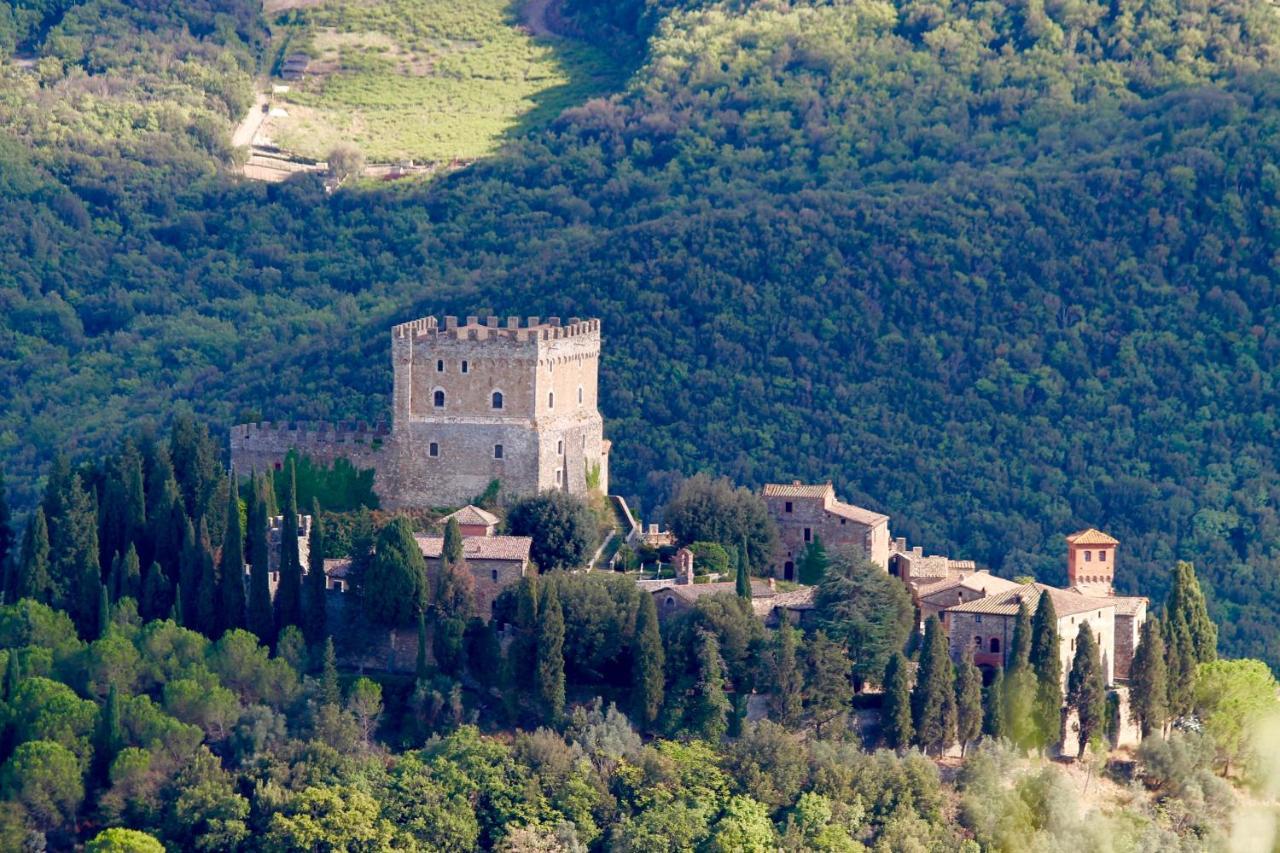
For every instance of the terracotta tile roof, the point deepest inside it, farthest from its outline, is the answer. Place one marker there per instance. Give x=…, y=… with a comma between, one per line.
x=479, y=547
x=858, y=514
x=982, y=581
x=1066, y=602
x=1129, y=605
x=1091, y=536
x=796, y=599
x=473, y=515
x=337, y=568
x=796, y=490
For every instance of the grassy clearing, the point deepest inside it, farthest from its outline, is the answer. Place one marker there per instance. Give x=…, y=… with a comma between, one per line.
x=426, y=79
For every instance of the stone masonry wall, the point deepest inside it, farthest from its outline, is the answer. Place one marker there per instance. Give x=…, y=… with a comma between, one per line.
x=262, y=446
x=834, y=531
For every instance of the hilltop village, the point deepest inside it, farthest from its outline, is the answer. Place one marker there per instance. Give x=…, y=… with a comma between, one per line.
x=480, y=402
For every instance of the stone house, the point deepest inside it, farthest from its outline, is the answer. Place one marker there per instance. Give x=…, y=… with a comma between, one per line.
x=916, y=569
x=805, y=513
x=673, y=599
x=932, y=599
x=495, y=563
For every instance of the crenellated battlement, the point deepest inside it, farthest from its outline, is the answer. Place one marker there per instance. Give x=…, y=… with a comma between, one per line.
x=511, y=328
x=300, y=433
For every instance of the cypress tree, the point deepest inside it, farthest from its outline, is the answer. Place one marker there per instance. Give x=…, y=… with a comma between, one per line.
x=1020, y=647
x=1046, y=662
x=208, y=618
x=231, y=594
x=113, y=522
x=73, y=555
x=395, y=589
x=314, y=618
x=1180, y=660
x=288, y=601
x=189, y=569
x=175, y=612
x=115, y=576
x=523, y=651
x=134, y=497
x=895, y=714
x=993, y=707
x=130, y=575
x=103, y=619
x=1148, y=680
x=550, y=669
x=165, y=517
x=968, y=700
x=813, y=563
x=451, y=548
x=155, y=602
x=933, y=711
x=708, y=709
x=330, y=688
x=108, y=738
x=1086, y=688
x=259, y=619
x=6, y=543
x=420, y=669
x=647, y=663
x=195, y=464
x=33, y=578
x=1187, y=600
x=786, y=678
x=12, y=674
x=742, y=583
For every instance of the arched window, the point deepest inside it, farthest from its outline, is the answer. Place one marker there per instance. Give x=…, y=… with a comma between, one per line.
x=995, y=644
x=433, y=450
x=465, y=367
x=670, y=602
x=438, y=398
x=439, y=365
x=977, y=643
x=496, y=401
x=551, y=399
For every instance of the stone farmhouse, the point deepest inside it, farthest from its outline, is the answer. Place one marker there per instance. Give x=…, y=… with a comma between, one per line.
x=804, y=514
x=472, y=402
x=678, y=596
x=986, y=622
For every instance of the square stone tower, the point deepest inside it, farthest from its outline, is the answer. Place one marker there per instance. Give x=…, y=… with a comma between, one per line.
x=1091, y=562
x=484, y=400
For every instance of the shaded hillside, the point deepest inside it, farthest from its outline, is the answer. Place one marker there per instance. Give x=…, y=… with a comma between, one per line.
x=999, y=273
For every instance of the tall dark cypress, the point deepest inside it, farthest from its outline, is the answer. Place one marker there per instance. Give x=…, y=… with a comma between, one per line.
x=1149, y=680
x=73, y=556
x=1187, y=601
x=522, y=654
x=208, y=619
x=933, y=709
x=993, y=707
x=7, y=562
x=165, y=518
x=260, y=618
x=195, y=464
x=647, y=664
x=451, y=548
x=288, y=603
x=314, y=621
x=103, y=619
x=550, y=648
x=1046, y=662
x=34, y=578
x=742, y=584
x=108, y=738
x=155, y=602
x=968, y=700
x=189, y=569
x=231, y=594
x=1086, y=688
x=130, y=580
x=895, y=711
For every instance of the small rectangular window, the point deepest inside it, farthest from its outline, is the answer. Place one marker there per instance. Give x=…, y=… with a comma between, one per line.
x=465, y=367
x=559, y=476
x=560, y=446
x=977, y=619
x=497, y=451
x=788, y=506
x=439, y=365
x=493, y=574
x=1088, y=556
x=433, y=450
x=808, y=534
x=1102, y=556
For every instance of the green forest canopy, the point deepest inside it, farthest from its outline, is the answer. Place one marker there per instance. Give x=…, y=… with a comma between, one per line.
x=999, y=271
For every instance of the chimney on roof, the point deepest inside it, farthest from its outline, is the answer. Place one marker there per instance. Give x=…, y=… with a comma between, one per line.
x=795, y=482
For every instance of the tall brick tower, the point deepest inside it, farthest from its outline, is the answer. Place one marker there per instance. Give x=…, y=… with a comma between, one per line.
x=484, y=400
x=1091, y=562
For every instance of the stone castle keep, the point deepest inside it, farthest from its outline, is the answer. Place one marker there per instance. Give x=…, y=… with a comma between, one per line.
x=471, y=403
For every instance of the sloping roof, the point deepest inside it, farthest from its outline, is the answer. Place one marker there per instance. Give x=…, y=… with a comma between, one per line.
x=1091, y=536
x=479, y=547
x=337, y=568
x=1066, y=602
x=1129, y=605
x=796, y=490
x=858, y=514
x=471, y=515
x=983, y=582
x=691, y=592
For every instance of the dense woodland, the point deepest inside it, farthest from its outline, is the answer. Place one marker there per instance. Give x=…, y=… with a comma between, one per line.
x=181, y=705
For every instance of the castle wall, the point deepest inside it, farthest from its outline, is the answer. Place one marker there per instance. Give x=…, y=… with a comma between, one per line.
x=262, y=447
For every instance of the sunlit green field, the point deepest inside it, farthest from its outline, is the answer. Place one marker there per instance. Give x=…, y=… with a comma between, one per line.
x=425, y=79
